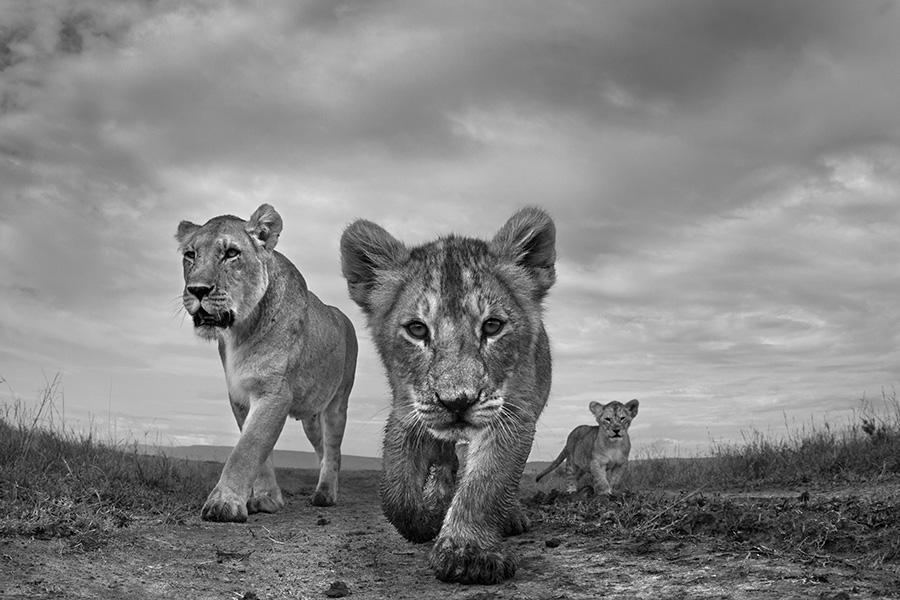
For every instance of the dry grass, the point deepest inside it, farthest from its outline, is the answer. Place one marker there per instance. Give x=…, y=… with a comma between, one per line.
x=856, y=530
x=865, y=449
x=58, y=484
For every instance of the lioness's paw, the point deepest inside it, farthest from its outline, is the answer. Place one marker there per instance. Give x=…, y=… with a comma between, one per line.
x=467, y=563
x=516, y=522
x=264, y=504
x=322, y=498
x=224, y=507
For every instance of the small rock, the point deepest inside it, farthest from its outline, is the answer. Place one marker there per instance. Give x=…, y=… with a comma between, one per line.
x=552, y=542
x=836, y=596
x=249, y=596
x=338, y=589
x=322, y=521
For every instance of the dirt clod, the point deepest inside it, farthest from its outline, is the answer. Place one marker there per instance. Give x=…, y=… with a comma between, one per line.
x=223, y=555
x=338, y=589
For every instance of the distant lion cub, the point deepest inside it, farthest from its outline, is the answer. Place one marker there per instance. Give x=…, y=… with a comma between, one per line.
x=600, y=450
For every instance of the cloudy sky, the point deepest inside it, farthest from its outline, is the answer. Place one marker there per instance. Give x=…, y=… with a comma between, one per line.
x=724, y=176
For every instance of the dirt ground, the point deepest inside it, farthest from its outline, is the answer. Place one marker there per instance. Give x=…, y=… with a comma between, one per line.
x=302, y=551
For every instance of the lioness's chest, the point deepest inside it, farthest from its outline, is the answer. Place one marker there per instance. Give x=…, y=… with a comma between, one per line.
x=240, y=372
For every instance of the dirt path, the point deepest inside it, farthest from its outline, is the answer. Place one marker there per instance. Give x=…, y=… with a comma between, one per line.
x=301, y=551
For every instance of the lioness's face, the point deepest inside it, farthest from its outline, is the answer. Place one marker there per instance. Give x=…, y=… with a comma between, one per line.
x=225, y=271
x=614, y=418
x=453, y=320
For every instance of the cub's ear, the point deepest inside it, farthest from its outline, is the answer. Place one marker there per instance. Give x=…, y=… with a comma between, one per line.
x=596, y=408
x=264, y=226
x=632, y=406
x=528, y=239
x=367, y=250
x=185, y=229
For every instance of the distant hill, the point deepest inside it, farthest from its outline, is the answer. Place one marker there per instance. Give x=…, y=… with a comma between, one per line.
x=286, y=459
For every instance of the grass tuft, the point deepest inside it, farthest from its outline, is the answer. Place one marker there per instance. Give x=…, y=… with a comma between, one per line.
x=58, y=484
x=866, y=449
x=863, y=529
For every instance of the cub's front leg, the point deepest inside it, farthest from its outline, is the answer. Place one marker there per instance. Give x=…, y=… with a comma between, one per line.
x=409, y=454
x=469, y=548
x=601, y=483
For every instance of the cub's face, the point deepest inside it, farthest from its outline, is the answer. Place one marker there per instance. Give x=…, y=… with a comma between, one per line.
x=614, y=418
x=454, y=335
x=225, y=268
x=453, y=321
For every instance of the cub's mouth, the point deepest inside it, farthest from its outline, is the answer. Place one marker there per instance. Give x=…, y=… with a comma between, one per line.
x=202, y=318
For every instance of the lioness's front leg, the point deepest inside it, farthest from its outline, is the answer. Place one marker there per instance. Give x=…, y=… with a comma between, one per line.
x=409, y=453
x=264, y=421
x=266, y=494
x=469, y=547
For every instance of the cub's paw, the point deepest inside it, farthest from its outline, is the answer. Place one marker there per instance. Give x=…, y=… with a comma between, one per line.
x=224, y=507
x=467, y=563
x=516, y=522
x=264, y=504
x=602, y=492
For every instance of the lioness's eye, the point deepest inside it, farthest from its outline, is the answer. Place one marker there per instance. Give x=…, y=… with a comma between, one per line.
x=232, y=252
x=491, y=327
x=417, y=329
x=189, y=254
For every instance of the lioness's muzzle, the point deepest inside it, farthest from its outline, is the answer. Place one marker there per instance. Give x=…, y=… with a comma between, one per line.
x=206, y=319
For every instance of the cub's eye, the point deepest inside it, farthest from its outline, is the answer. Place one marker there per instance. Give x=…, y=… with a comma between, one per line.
x=189, y=254
x=491, y=327
x=232, y=252
x=417, y=329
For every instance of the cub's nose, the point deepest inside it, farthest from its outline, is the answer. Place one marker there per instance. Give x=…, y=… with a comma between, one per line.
x=198, y=291
x=459, y=404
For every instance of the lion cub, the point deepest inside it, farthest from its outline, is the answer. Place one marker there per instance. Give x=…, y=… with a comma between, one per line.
x=457, y=323
x=285, y=353
x=601, y=450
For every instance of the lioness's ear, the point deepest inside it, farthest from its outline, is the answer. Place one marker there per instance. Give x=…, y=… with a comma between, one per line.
x=632, y=406
x=264, y=226
x=596, y=408
x=367, y=249
x=528, y=239
x=185, y=229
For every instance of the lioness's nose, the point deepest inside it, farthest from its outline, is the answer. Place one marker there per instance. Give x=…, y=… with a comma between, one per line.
x=199, y=290
x=459, y=404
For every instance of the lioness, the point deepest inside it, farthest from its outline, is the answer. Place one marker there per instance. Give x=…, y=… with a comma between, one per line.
x=284, y=353
x=601, y=450
x=457, y=323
